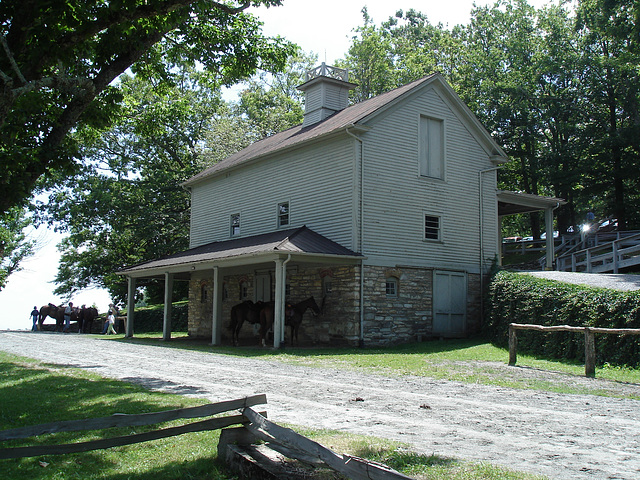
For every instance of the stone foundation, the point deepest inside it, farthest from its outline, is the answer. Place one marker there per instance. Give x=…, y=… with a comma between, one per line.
x=403, y=318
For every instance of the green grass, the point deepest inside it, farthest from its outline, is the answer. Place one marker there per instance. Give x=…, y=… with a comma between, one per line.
x=470, y=361
x=33, y=393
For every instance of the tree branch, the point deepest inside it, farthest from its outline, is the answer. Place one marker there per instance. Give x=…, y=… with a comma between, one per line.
x=12, y=60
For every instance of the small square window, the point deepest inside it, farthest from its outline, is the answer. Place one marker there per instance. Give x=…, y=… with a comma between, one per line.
x=283, y=214
x=235, y=225
x=431, y=227
x=391, y=287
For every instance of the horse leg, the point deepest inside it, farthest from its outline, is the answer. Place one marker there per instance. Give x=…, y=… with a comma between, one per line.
x=236, y=332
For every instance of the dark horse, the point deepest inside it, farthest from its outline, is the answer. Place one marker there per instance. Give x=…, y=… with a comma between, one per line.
x=246, y=311
x=293, y=314
x=86, y=316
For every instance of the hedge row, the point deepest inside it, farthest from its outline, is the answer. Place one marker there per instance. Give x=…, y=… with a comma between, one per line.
x=150, y=319
x=518, y=298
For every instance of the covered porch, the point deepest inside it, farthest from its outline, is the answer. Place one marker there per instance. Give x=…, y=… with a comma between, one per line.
x=513, y=203
x=274, y=253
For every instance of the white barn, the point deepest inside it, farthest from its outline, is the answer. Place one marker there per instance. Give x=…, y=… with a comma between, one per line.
x=385, y=211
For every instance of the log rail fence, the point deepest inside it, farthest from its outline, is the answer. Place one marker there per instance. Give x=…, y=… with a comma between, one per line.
x=589, y=340
x=253, y=427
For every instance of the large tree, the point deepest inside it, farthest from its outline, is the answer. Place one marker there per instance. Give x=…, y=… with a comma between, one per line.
x=59, y=60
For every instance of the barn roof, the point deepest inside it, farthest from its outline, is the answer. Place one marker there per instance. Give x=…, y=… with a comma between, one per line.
x=350, y=116
x=302, y=242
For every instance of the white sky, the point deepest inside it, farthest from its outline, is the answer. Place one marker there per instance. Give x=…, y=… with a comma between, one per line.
x=324, y=28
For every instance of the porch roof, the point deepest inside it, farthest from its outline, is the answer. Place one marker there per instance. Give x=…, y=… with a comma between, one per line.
x=303, y=243
x=511, y=203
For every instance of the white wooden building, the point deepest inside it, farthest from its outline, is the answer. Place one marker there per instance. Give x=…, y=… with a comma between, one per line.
x=386, y=211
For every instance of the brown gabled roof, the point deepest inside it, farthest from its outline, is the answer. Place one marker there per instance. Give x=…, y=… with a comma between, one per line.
x=298, y=240
x=298, y=135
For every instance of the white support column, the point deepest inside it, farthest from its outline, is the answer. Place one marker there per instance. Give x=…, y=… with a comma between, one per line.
x=216, y=320
x=131, y=303
x=278, y=311
x=168, y=300
x=500, y=248
x=548, y=220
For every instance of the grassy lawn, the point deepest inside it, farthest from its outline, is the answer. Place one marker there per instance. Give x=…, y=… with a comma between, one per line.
x=470, y=360
x=33, y=393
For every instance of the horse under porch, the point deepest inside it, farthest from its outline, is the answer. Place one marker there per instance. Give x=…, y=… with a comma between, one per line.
x=333, y=288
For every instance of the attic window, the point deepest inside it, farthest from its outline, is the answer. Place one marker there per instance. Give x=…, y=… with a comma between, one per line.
x=235, y=225
x=431, y=147
x=283, y=214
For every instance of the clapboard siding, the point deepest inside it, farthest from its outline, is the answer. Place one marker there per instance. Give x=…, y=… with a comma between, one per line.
x=317, y=181
x=396, y=197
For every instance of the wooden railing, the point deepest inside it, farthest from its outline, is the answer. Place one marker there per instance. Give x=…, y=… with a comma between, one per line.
x=606, y=257
x=255, y=426
x=589, y=340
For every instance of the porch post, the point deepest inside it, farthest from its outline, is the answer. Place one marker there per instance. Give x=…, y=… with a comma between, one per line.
x=548, y=220
x=131, y=303
x=500, y=249
x=278, y=310
x=216, y=320
x=168, y=298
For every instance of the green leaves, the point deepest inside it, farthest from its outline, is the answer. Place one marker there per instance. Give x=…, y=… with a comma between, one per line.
x=59, y=61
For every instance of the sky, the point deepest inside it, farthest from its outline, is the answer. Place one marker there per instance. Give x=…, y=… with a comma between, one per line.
x=324, y=28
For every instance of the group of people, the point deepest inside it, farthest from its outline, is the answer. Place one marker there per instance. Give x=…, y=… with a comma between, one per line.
x=109, y=324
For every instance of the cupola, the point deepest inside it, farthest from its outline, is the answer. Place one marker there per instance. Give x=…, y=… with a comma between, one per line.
x=326, y=91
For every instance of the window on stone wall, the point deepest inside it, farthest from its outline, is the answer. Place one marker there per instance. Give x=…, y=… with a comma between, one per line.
x=391, y=287
x=244, y=290
x=204, y=293
x=327, y=285
x=287, y=290
x=225, y=292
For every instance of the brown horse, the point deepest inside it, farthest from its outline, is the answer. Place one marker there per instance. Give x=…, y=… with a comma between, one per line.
x=246, y=311
x=57, y=313
x=293, y=314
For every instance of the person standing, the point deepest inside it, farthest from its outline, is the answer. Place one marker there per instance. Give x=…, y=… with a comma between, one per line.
x=34, y=317
x=67, y=317
x=111, y=320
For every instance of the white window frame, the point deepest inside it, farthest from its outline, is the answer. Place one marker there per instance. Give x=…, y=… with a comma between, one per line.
x=234, y=229
x=391, y=281
x=438, y=228
x=431, y=161
x=279, y=214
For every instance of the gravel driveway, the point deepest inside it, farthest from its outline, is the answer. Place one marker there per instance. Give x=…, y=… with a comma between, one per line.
x=560, y=436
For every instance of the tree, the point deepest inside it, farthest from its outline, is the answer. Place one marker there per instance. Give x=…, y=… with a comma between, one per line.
x=271, y=102
x=126, y=204
x=610, y=39
x=14, y=244
x=59, y=61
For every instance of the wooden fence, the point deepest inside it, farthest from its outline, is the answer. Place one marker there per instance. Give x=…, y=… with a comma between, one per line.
x=256, y=426
x=589, y=340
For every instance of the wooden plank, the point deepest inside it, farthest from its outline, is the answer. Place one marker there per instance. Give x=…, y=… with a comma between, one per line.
x=210, y=424
x=542, y=328
x=589, y=353
x=513, y=345
x=569, y=328
x=124, y=420
x=353, y=467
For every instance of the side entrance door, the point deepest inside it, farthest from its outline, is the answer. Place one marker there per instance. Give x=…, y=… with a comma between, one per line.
x=263, y=287
x=449, y=303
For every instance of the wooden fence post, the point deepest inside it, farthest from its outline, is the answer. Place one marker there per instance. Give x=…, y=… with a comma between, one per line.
x=513, y=345
x=589, y=353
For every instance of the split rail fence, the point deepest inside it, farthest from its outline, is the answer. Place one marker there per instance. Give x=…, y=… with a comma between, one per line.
x=254, y=424
x=589, y=340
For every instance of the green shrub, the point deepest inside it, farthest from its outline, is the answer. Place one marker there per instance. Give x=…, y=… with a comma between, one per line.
x=518, y=298
x=150, y=319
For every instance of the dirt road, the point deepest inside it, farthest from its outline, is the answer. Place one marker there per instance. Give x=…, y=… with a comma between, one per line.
x=560, y=436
